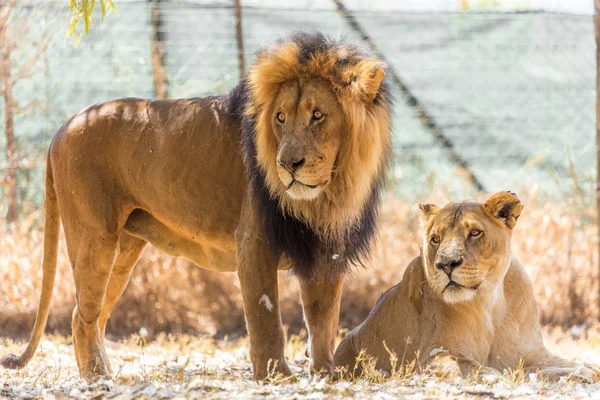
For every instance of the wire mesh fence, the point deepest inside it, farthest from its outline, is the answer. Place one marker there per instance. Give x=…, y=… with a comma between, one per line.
x=508, y=95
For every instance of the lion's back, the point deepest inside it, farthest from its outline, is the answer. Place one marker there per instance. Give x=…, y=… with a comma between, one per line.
x=135, y=151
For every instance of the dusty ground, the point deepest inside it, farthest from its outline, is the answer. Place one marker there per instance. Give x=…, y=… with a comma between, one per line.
x=194, y=367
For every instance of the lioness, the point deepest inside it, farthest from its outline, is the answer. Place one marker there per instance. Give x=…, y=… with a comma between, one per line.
x=285, y=170
x=465, y=299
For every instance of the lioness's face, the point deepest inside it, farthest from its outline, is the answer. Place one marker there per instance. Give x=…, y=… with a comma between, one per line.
x=467, y=245
x=307, y=121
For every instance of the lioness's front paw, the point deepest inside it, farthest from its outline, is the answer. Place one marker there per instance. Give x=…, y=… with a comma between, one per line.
x=488, y=375
x=585, y=374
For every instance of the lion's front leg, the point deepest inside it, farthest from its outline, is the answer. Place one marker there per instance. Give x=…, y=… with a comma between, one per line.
x=257, y=271
x=448, y=365
x=321, y=303
x=553, y=367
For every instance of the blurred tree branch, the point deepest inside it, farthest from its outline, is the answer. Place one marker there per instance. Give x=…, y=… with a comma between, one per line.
x=5, y=11
x=8, y=80
x=26, y=71
x=6, y=48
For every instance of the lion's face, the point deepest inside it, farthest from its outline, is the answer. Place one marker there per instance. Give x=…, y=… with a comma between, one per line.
x=319, y=111
x=307, y=122
x=467, y=245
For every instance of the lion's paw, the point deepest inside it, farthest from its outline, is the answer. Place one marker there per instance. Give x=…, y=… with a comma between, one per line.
x=585, y=373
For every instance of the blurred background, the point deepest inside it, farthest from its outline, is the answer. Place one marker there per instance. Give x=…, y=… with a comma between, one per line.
x=490, y=95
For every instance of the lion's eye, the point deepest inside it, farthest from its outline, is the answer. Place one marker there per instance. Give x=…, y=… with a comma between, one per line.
x=280, y=117
x=435, y=240
x=317, y=115
x=475, y=233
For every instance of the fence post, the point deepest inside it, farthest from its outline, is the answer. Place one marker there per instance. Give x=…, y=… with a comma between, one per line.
x=597, y=30
x=157, y=51
x=240, y=40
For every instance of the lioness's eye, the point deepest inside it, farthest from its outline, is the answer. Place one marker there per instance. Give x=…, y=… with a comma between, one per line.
x=280, y=117
x=317, y=115
x=435, y=240
x=475, y=233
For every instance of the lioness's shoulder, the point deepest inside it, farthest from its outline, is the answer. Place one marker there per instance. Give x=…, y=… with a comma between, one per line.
x=517, y=285
x=411, y=285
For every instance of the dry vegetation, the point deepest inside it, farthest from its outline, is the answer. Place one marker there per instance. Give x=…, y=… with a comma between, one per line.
x=185, y=366
x=555, y=241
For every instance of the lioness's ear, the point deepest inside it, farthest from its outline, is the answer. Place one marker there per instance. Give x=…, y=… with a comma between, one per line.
x=428, y=211
x=372, y=87
x=505, y=206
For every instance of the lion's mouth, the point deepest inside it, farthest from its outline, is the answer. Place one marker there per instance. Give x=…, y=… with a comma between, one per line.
x=303, y=184
x=453, y=285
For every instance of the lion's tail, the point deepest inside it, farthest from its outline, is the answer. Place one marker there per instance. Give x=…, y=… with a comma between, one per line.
x=51, y=231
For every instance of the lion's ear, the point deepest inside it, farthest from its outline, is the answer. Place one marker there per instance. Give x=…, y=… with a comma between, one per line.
x=428, y=211
x=505, y=206
x=374, y=83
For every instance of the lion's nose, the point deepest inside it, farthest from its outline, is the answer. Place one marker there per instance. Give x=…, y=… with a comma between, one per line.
x=291, y=163
x=449, y=265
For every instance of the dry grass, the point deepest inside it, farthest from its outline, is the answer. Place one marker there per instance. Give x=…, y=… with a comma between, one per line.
x=185, y=366
x=556, y=242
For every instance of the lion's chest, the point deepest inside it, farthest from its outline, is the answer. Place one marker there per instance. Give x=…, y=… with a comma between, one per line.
x=481, y=332
x=507, y=348
x=469, y=337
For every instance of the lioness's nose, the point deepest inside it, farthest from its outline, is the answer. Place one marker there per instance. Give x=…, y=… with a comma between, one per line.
x=449, y=265
x=291, y=163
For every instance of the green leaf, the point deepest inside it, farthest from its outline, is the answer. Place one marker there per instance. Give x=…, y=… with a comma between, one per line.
x=86, y=20
x=91, y=12
x=111, y=5
x=84, y=9
x=103, y=8
x=73, y=23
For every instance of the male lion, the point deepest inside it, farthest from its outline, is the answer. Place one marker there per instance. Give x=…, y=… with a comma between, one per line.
x=284, y=170
x=465, y=298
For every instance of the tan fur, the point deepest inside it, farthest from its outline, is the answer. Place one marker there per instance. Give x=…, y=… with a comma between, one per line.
x=130, y=172
x=366, y=137
x=493, y=328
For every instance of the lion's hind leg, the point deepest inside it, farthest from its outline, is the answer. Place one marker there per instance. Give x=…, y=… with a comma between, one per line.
x=130, y=249
x=92, y=260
